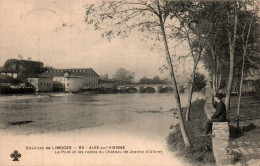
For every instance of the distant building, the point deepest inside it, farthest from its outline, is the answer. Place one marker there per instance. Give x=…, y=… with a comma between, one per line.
x=107, y=83
x=21, y=68
x=41, y=84
x=73, y=80
x=251, y=83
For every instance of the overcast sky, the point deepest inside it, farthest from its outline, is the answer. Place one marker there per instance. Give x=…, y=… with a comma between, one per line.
x=57, y=35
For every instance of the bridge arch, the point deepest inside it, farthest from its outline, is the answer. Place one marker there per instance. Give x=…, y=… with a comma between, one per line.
x=131, y=90
x=149, y=89
x=167, y=89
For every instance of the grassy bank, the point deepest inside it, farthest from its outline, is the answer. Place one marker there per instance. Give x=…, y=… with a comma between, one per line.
x=200, y=152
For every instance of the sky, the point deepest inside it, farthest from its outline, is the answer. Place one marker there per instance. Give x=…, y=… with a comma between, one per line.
x=55, y=33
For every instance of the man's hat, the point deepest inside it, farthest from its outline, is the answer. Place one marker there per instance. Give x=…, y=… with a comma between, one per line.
x=219, y=96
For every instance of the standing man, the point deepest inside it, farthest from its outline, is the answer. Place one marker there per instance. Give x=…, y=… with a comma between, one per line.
x=220, y=113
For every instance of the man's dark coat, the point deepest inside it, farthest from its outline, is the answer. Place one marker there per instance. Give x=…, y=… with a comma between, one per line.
x=220, y=114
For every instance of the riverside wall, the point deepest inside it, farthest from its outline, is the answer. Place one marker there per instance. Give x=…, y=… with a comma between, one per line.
x=220, y=140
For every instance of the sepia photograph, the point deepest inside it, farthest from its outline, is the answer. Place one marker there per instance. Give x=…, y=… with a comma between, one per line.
x=129, y=83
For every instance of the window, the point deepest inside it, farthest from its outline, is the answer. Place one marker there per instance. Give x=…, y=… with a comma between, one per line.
x=68, y=84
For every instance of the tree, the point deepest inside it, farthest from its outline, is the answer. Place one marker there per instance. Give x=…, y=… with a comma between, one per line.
x=216, y=44
x=145, y=80
x=199, y=83
x=232, y=11
x=20, y=56
x=153, y=17
x=195, y=29
x=223, y=53
x=155, y=80
x=245, y=40
x=123, y=76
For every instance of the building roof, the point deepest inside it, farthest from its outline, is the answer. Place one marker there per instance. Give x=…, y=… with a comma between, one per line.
x=40, y=76
x=73, y=72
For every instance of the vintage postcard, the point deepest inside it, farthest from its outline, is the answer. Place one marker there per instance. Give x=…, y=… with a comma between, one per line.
x=142, y=82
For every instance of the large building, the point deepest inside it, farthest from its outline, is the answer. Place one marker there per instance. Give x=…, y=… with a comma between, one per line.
x=41, y=84
x=73, y=80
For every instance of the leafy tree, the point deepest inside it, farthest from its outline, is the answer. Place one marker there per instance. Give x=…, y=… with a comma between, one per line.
x=223, y=53
x=155, y=80
x=246, y=48
x=195, y=29
x=20, y=56
x=145, y=80
x=123, y=76
x=199, y=83
x=153, y=19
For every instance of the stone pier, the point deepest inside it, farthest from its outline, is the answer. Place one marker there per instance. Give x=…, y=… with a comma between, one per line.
x=220, y=140
x=220, y=143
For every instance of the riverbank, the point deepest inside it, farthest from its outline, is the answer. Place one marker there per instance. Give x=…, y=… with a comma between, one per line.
x=200, y=152
x=32, y=96
x=22, y=96
x=244, y=144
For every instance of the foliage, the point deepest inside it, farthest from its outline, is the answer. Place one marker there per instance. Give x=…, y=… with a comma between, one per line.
x=20, y=56
x=155, y=80
x=218, y=45
x=123, y=76
x=199, y=82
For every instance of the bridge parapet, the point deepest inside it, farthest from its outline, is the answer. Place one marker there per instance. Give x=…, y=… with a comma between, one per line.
x=157, y=88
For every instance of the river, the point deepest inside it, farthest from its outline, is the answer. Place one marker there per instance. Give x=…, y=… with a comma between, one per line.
x=51, y=114
x=133, y=120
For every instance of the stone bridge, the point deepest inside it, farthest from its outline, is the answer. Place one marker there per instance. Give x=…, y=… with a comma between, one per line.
x=150, y=88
